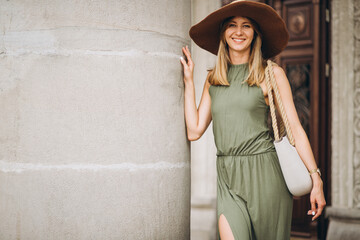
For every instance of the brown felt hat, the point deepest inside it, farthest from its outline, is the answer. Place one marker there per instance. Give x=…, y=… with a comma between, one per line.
x=206, y=34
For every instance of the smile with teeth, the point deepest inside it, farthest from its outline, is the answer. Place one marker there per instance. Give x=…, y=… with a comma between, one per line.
x=238, y=40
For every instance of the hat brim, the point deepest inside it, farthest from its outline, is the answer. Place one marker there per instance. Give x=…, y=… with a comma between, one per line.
x=206, y=34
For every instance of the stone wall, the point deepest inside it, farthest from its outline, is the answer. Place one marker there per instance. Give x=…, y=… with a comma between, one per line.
x=356, y=194
x=92, y=130
x=344, y=212
x=203, y=151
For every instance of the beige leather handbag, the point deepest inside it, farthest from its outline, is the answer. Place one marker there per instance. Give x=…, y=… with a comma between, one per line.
x=296, y=175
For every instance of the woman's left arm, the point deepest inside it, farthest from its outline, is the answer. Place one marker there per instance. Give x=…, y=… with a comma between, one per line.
x=302, y=143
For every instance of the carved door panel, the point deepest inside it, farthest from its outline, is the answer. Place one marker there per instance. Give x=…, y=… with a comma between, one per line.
x=305, y=63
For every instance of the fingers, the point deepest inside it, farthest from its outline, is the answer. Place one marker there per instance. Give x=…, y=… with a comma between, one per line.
x=313, y=208
x=321, y=206
x=182, y=60
x=316, y=212
x=187, y=64
x=187, y=53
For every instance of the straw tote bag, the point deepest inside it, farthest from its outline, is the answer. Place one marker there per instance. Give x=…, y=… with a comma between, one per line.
x=296, y=175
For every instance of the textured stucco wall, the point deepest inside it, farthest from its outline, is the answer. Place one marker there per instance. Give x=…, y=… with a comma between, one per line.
x=92, y=131
x=342, y=93
x=356, y=158
x=344, y=212
x=203, y=151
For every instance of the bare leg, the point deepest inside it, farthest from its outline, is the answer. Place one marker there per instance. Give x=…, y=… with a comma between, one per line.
x=224, y=229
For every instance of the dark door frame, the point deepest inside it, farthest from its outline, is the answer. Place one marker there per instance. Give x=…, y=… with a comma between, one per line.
x=321, y=62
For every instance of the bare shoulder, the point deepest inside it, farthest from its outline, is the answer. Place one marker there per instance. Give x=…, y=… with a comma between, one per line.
x=280, y=76
x=207, y=81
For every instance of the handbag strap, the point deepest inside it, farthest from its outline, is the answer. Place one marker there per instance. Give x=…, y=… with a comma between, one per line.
x=271, y=85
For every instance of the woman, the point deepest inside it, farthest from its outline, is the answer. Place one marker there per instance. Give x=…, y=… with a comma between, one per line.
x=253, y=201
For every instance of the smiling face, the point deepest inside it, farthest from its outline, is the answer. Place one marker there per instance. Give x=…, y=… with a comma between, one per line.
x=238, y=35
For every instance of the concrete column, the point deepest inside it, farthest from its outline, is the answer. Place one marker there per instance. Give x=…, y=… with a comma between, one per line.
x=344, y=212
x=92, y=130
x=203, y=151
x=342, y=93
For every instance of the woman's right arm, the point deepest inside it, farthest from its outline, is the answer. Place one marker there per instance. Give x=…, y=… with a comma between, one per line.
x=197, y=120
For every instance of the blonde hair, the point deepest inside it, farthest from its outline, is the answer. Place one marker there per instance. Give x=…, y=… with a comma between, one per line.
x=257, y=64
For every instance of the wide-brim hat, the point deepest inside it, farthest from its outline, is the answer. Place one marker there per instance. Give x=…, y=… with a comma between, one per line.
x=206, y=34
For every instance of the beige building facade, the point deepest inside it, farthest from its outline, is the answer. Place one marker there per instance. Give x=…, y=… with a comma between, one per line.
x=92, y=130
x=92, y=133
x=344, y=211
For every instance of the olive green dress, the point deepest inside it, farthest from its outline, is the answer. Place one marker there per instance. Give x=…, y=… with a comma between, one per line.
x=251, y=190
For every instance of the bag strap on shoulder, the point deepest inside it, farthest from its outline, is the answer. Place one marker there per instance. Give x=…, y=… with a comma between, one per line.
x=271, y=85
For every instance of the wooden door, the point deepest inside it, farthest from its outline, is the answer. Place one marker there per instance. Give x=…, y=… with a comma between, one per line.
x=306, y=63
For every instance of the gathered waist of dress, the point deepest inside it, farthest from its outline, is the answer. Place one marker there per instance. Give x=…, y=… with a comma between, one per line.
x=219, y=154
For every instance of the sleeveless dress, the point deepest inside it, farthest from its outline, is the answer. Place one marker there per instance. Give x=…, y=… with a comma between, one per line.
x=251, y=190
